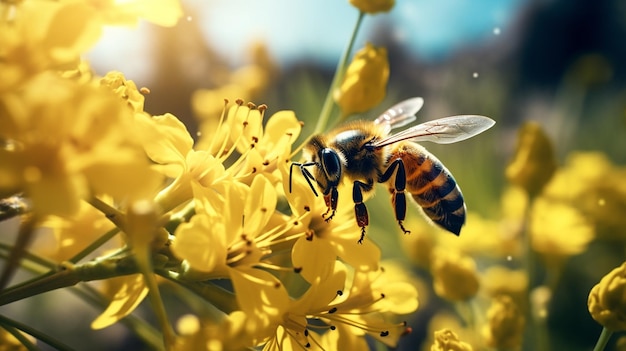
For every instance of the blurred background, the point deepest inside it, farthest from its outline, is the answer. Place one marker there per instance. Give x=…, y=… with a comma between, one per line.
x=557, y=62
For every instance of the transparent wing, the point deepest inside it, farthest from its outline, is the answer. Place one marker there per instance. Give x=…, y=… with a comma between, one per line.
x=442, y=131
x=400, y=114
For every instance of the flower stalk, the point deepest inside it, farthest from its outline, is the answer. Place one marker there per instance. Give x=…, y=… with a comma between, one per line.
x=327, y=107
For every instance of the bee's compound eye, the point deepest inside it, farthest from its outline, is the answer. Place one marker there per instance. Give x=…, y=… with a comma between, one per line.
x=331, y=164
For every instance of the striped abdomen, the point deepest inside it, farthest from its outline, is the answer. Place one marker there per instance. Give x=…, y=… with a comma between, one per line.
x=432, y=186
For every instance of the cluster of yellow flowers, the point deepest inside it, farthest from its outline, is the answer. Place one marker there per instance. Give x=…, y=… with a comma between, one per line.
x=106, y=192
x=89, y=163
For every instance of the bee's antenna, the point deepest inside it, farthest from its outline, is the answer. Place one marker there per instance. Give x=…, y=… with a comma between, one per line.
x=305, y=172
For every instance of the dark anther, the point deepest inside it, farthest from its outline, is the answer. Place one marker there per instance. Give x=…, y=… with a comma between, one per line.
x=339, y=292
x=297, y=269
x=333, y=310
x=384, y=333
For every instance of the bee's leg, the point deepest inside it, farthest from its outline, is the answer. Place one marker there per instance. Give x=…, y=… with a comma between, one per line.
x=331, y=199
x=360, y=211
x=398, y=197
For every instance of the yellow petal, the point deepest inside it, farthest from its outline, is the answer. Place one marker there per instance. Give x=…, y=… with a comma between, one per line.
x=259, y=206
x=128, y=292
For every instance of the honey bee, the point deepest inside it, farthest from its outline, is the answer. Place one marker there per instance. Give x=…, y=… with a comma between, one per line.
x=364, y=152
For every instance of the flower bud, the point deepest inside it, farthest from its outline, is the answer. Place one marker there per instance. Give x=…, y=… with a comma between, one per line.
x=607, y=300
x=365, y=81
x=534, y=161
x=373, y=6
x=447, y=340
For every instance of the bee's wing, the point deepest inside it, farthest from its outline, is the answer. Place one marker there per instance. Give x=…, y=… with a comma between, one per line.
x=442, y=131
x=400, y=114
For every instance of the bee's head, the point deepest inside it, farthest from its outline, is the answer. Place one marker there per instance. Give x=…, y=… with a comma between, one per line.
x=330, y=162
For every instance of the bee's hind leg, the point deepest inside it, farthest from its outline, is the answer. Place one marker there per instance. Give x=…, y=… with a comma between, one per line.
x=398, y=196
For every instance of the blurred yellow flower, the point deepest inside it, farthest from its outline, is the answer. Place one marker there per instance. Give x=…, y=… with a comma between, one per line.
x=534, y=162
x=499, y=280
x=592, y=184
x=365, y=81
x=69, y=140
x=455, y=276
x=71, y=235
x=227, y=334
x=607, y=300
x=558, y=229
x=447, y=340
x=373, y=6
x=125, y=294
x=505, y=324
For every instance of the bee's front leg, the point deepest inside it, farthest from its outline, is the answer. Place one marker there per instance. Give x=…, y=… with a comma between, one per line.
x=360, y=211
x=398, y=197
x=331, y=199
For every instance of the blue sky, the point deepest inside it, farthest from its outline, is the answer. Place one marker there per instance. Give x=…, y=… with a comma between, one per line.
x=320, y=29
x=315, y=30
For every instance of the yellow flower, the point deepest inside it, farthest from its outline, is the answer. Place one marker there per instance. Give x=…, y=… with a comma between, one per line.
x=447, y=340
x=607, y=300
x=320, y=240
x=454, y=275
x=534, y=162
x=358, y=310
x=125, y=89
x=373, y=6
x=505, y=324
x=365, y=81
x=239, y=132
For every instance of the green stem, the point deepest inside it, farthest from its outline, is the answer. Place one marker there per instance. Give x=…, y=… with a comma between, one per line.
x=327, y=108
x=218, y=297
x=143, y=260
x=35, y=333
x=24, y=237
x=94, y=245
x=70, y=276
x=605, y=335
